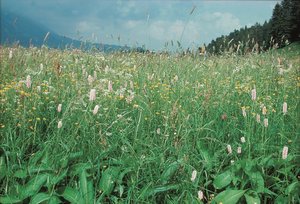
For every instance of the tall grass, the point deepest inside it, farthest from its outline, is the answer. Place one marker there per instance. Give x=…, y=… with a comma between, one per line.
x=160, y=118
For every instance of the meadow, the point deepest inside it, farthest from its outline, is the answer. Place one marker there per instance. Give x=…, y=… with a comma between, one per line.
x=88, y=127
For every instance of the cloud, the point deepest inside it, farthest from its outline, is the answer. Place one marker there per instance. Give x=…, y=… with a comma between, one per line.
x=152, y=23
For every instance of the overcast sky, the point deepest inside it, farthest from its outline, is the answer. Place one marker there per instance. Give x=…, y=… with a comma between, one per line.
x=151, y=23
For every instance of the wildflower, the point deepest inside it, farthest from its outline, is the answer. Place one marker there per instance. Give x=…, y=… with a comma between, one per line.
x=59, y=108
x=229, y=150
x=110, y=88
x=258, y=118
x=28, y=81
x=10, y=54
x=284, y=108
x=38, y=88
x=93, y=94
x=158, y=131
x=194, y=175
x=239, y=150
x=131, y=85
x=95, y=74
x=95, y=111
x=244, y=111
x=232, y=161
x=200, y=195
x=285, y=152
x=253, y=94
x=59, y=125
x=266, y=122
x=90, y=79
x=264, y=110
x=224, y=116
x=41, y=66
x=243, y=140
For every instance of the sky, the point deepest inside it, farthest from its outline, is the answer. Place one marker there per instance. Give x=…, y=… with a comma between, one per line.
x=151, y=23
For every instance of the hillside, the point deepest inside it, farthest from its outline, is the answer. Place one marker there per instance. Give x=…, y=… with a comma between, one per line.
x=27, y=32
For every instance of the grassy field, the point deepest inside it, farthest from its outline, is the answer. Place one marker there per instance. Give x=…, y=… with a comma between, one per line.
x=159, y=129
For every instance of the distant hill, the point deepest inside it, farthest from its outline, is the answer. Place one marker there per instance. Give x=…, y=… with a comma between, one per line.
x=26, y=32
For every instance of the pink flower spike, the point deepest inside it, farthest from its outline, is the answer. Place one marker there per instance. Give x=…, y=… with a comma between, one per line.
x=229, y=150
x=266, y=122
x=200, y=195
x=59, y=125
x=110, y=88
x=285, y=152
x=28, y=81
x=93, y=94
x=257, y=118
x=95, y=111
x=253, y=94
x=239, y=150
x=284, y=108
x=59, y=108
x=194, y=175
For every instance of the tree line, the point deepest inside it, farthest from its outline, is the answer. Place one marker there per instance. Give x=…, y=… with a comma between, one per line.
x=283, y=28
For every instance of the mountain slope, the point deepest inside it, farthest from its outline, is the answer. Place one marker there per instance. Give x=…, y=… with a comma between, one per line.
x=26, y=32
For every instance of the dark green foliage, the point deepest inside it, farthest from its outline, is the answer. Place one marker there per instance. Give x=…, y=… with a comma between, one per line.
x=282, y=29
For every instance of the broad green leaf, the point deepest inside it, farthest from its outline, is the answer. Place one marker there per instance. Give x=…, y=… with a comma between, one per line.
x=206, y=156
x=57, y=178
x=54, y=200
x=10, y=199
x=257, y=181
x=169, y=172
x=34, y=185
x=2, y=167
x=72, y=195
x=252, y=197
x=108, y=178
x=293, y=187
x=223, y=180
x=159, y=189
x=21, y=173
x=86, y=188
x=39, y=198
x=229, y=196
x=281, y=200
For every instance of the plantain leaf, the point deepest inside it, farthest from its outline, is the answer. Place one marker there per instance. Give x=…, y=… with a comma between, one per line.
x=10, y=199
x=169, y=171
x=39, y=198
x=229, y=196
x=292, y=188
x=252, y=197
x=54, y=200
x=34, y=185
x=21, y=173
x=2, y=168
x=86, y=188
x=108, y=178
x=72, y=195
x=223, y=180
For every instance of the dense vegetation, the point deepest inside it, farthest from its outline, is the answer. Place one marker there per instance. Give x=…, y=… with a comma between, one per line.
x=282, y=29
x=80, y=127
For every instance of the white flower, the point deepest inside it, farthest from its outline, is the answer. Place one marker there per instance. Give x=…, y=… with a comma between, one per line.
x=284, y=108
x=229, y=149
x=243, y=140
x=194, y=175
x=285, y=152
x=200, y=195
x=93, y=94
x=59, y=108
x=59, y=125
x=95, y=111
